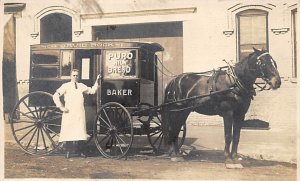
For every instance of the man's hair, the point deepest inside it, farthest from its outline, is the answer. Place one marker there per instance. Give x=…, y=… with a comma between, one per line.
x=74, y=70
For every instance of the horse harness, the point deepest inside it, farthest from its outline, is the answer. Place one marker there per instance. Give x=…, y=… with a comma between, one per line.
x=237, y=88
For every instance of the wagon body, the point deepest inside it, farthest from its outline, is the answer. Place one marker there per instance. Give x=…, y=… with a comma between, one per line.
x=129, y=83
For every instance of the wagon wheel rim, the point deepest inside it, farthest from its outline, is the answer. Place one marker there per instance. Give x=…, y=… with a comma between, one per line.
x=113, y=130
x=156, y=137
x=36, y=125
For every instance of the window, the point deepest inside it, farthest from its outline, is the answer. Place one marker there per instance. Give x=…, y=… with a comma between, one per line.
x=45, y=64
x=85, y=68
x=147, y=65
x=120, y=63
x=51, y=63
x=66, y=63
x=252, y=31
x=56, y=27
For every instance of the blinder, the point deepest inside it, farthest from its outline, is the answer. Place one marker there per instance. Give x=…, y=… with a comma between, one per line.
x=261, y=64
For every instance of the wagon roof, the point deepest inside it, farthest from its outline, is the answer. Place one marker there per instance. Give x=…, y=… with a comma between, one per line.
x=149, y=46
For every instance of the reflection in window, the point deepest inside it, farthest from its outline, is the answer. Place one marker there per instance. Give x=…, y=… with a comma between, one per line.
x=45, y=57
x=66, y=63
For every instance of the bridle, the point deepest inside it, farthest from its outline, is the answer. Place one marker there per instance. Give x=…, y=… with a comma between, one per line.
x=262, y=74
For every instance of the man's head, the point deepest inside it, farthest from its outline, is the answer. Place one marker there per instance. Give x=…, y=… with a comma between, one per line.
x=74, y=75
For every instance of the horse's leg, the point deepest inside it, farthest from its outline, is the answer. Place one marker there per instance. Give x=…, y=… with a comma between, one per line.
x=237, y=125
x=166, y=132
x=174, y=124
x=168, y=128
x=228, y=121
x=173, y=131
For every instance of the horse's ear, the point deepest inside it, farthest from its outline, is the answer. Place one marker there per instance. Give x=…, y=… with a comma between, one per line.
x=256, y=51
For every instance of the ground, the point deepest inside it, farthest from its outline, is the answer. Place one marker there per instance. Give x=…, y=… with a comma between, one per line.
x=197, y=165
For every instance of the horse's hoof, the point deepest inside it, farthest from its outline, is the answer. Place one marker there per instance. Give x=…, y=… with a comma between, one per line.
x=237, y=160
x=165, y=155
x=233, y=163
x=177, y=159
x=228, y=160
x=233, y=166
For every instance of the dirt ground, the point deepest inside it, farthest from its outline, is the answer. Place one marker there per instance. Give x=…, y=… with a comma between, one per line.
x=197, y=165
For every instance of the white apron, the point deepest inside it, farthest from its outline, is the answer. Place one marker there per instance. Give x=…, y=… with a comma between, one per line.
x=73, y=125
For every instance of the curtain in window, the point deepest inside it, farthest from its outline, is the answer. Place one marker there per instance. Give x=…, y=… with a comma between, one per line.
x=252, y=31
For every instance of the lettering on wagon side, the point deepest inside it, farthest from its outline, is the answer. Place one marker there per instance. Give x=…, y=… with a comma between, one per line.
x=119, y=92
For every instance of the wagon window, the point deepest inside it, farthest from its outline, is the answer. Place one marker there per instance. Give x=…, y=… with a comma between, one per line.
x=45, y=72
x=45, y=64
x=120, y=63
x=45, y=57
x=66, y=63
x=147, y=65
x=85, y=68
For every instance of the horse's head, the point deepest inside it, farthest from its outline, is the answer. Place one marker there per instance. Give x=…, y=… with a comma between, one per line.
x=266, y=68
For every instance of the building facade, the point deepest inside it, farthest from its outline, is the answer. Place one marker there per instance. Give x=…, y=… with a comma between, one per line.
x=196, y=35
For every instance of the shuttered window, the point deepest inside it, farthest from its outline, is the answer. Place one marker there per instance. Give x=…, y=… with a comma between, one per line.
x=252, y=31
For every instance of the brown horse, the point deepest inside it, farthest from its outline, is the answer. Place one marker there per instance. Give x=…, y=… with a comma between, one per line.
x=230, y=93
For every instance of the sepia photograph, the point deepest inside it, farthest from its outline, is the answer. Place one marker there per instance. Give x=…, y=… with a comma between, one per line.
x=149, y=89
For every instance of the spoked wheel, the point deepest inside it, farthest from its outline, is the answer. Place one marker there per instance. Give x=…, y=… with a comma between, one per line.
x=113, y=130
x=36, y=123
x=155, y=134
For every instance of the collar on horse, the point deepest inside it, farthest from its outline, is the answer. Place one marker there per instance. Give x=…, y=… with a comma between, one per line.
x=239, y=88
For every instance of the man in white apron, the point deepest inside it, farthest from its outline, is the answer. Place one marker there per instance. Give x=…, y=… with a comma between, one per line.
x=73, y=125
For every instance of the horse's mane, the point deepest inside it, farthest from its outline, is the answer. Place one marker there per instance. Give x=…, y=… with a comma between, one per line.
x=246, y=59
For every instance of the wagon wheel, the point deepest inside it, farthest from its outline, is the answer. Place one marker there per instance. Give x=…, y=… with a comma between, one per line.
x=36, y=123
x=152, y=123
x=155, y=134
x=113, y=130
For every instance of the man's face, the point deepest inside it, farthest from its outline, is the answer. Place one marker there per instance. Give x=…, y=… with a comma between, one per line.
x=74, y=76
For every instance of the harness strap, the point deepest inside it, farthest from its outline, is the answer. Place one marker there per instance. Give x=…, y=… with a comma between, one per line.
x=266, y=53
x=240, y=89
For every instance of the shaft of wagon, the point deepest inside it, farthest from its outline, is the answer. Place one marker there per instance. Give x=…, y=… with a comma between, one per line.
x=159, y=108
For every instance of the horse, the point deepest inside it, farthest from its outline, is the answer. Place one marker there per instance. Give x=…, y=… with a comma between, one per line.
x=227, y=93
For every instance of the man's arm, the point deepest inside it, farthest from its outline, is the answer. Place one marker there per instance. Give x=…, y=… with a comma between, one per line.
x=93, y=89
x=57, y=101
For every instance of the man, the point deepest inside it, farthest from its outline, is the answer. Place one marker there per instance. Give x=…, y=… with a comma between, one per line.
x=73, y=125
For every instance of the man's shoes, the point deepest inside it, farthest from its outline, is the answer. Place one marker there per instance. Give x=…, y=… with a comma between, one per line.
x=67, y=155
x=82, y=155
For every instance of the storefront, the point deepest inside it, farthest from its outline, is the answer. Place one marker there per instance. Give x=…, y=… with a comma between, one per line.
x=196, y=35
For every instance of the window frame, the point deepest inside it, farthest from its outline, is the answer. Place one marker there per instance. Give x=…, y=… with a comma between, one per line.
x=251, y=13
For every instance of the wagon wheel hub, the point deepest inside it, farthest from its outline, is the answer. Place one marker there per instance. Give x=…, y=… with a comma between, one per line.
x=112, y=130
x=39, y=123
